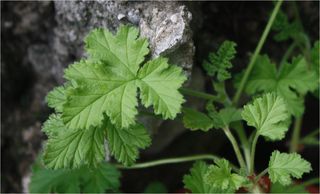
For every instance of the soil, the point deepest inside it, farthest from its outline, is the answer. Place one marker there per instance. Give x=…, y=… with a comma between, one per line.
x=23, y=110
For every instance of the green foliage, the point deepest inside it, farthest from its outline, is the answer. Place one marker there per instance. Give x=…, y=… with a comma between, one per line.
x=219, y=176
x=219, y=62
x=269, y=115
x=104, y=177
x=124, y=143
x=283, y=166
x=194, y=120
x=278, y=188
x=56, y=98
x=73, y=147
x=290, y=81
x=225, y=116
x=285, y=29
x=109, y=80
x=156, y=187
x=195, y=180
x=99, y=100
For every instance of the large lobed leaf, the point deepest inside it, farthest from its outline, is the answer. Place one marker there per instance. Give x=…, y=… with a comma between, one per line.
x=108, y=81
x=268, y=114
x=283, y=166
x=287, y=81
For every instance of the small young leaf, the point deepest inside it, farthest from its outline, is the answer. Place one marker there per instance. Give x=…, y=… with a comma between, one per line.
x=124, y=143
x=195, y=120
x=268, y=114
x=195, y=180
x=220, y=62
x=225, y=116
x=220, y=177
x=74, y=147
x=283, y=166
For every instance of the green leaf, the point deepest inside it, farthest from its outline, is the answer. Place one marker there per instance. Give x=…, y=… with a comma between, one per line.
x=195, y=180
x=283, y=166
x=125, y=142
x=124, y=51
x=285, y=29
x=225, y=116
x=278, y=188
x=54, y=125
x=159, y=84
x=219, y=62
x=220, y=176
x=56, y=98
x=74, y=147
x=195, y=120
x=269, y=115
x=156, y=187
x=94, y=180
x=109, y=80
x=288, y=81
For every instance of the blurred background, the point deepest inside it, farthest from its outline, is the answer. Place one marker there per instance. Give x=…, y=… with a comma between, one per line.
x=39, y=39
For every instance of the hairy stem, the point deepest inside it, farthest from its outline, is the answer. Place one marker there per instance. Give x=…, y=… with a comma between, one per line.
x=244, y=143
x=256, y=52
x=294, y=143
x=264, y=172
x=253, y=150
x=198, y=94
x=172, y=161
x=235, y=147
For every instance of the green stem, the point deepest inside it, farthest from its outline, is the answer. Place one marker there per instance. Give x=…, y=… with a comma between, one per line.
x=235, y=147
x=264, y=172
x=253, y=150
x=296, y=135
x=244, y=143
x=256, y=52
x=172, y=161
x=288, y=53
x=198, y=94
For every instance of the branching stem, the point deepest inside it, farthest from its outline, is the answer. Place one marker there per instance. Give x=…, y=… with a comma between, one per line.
x=198, y=94
x=235, y=147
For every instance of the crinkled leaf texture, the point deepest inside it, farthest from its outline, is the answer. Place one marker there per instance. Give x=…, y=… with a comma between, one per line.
x=72, y=148
x=219, y=62
x=108, y=81
x=99, y=100
x=269, y=115
x=195, y=180
x=283, y=166
x=104, y=177
x=290, y=81
x=124, y=143
x=220, y=177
